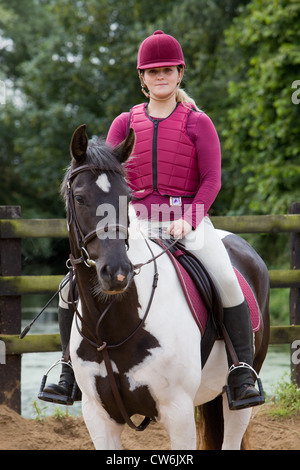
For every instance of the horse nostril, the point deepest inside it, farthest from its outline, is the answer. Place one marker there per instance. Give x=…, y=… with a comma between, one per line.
x=105, y=272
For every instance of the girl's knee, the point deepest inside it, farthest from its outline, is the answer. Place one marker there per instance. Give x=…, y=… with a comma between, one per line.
x=230, y=291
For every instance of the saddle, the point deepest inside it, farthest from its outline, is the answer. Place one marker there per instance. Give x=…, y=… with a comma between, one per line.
x=203, y=297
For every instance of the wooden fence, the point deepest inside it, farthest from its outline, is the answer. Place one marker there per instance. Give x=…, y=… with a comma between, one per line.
x=13, y=285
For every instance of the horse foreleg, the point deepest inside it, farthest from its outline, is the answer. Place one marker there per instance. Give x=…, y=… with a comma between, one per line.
x=179, y=419
x=105, y=432
x=235, y=425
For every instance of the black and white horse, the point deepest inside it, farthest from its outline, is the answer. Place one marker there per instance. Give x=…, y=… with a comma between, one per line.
x=135, y=341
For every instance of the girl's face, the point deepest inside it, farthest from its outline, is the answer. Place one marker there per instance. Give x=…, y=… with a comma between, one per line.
x=162, y=81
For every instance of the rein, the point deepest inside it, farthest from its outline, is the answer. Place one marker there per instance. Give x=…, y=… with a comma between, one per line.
x=103, y=347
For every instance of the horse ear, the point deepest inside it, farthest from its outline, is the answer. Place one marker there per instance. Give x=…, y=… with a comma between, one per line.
x=79, y=144
x=125, y=148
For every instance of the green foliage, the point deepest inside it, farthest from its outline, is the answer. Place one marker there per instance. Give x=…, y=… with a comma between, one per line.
x=60, y=414
x=72, y=62
x=66, y=62
x=279, y=306
x=262, y=136
x=40, y=412
x=286, y=399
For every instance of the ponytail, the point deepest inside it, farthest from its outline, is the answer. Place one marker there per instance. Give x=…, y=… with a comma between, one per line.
x=182, y=97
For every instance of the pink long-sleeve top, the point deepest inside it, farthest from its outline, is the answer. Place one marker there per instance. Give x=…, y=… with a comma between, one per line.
x=204, y=136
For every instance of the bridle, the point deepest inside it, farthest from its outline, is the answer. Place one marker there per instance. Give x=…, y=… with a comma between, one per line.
x=83, y=240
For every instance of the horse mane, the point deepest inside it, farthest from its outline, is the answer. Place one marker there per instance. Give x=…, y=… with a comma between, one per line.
x=100, y=156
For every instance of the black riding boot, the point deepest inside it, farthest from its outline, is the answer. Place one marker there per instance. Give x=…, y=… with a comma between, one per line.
x=62, y=392
x=241, y=390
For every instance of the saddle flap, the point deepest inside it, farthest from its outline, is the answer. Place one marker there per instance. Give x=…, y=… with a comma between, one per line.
x=197, y=306
x=251, y=301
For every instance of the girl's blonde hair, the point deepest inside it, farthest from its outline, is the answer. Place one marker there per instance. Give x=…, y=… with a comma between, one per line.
x=182, y=97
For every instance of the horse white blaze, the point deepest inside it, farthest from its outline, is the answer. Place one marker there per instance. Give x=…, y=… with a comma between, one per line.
x=103, y=183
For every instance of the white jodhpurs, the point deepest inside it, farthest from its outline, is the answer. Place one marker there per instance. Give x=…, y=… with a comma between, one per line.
x=205, y=243
x=207, y=246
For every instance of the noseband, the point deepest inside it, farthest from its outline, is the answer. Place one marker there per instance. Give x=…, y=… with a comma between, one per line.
x=83, y=240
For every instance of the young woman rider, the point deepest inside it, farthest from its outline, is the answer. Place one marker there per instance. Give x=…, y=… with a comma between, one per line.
x=175, y=176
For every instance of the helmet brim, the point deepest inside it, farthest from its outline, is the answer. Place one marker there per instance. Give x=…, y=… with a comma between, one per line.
x=154, y=65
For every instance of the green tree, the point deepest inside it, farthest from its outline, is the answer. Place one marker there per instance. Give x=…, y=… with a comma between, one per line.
x=20, y=31
x=262, y=137
x=73, y=62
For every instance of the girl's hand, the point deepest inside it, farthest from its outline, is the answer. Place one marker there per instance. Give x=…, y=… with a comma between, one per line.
x=179, y=228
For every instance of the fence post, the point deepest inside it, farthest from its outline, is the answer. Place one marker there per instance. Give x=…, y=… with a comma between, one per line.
x=295, y=295
x=10, y=314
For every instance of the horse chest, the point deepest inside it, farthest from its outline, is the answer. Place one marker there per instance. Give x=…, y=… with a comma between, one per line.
x=126, y=360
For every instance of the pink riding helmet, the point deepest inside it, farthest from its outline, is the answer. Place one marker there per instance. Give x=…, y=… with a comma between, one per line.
x=159, y=50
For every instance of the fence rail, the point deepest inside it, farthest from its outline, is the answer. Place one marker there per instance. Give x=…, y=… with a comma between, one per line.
x=24, y=285
x=57, y=228
x=13, y=285
x=51, y=342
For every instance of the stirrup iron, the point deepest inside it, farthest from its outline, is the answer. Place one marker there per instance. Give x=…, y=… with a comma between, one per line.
x=52, y=397
x=247, y=402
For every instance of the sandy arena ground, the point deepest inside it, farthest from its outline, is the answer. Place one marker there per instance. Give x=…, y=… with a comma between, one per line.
x=18, y=433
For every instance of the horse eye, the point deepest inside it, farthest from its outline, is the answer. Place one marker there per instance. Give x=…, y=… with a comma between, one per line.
x=79, y=200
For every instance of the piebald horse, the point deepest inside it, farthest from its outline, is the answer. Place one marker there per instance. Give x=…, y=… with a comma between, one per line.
x=135, y=347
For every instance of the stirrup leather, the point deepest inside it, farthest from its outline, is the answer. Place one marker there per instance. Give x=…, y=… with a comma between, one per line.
x=247, y=402
x=52, y=397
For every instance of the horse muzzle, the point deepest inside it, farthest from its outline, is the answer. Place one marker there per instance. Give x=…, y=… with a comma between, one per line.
x=115, y=281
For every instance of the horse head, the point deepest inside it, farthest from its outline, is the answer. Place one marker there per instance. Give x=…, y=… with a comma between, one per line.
x=97, y=198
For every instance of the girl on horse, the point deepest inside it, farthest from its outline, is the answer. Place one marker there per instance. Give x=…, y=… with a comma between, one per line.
x=176, y=163
x=175, y=176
